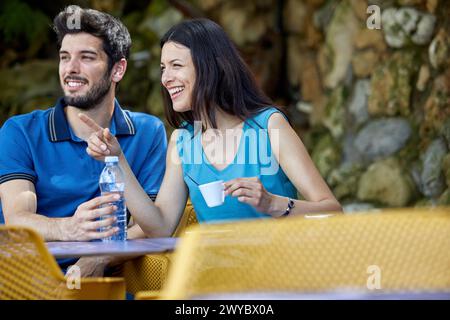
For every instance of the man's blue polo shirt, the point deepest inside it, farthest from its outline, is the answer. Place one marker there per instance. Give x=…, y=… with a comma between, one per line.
x=42, y=148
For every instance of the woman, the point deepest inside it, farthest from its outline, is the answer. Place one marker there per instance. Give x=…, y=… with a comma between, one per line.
x=226, y=129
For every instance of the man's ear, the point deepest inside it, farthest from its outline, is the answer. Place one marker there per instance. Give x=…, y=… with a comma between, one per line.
x=118, y=70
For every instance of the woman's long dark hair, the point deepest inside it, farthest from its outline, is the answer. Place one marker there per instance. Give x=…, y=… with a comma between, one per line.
x=223, y=80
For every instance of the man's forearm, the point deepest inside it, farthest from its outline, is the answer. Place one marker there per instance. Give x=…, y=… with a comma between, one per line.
x=51, y=229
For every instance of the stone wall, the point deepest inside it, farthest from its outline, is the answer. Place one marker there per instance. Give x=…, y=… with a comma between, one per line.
x=372, y=105
x=381, y=102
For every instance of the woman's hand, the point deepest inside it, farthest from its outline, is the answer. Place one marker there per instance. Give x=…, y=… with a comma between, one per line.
x=101, y=142
x=252, y=192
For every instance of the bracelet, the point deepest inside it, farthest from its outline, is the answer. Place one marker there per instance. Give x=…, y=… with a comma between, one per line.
x=291, y=204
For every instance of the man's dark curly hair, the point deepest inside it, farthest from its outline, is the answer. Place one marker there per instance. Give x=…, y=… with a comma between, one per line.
x=115, y=36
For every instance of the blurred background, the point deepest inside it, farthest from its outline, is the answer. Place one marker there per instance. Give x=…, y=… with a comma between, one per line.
x=371, y=105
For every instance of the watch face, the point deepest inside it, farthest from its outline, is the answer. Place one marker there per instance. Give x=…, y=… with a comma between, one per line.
x=291, y=204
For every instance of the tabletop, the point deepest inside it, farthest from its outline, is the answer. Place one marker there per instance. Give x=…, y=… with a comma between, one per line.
x=338, y=295
x=134, y=247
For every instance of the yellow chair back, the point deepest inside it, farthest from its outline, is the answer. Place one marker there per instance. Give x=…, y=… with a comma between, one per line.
x=392, y=251
x=149, y=272
x=29, y=271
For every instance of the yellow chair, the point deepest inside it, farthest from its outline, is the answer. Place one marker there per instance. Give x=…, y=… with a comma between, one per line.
x=29, y=271
x=388, y=252
x=149, y=272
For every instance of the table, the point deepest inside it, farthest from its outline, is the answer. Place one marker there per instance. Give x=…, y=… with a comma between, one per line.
x=135, y=247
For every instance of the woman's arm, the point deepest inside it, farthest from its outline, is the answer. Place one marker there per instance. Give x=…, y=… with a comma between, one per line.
x=156, y=219
x=295, y=161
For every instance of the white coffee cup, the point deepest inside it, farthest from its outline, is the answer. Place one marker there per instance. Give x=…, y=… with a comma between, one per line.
x=213, y=193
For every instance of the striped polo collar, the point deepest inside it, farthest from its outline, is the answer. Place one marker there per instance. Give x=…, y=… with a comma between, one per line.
x=58, y=127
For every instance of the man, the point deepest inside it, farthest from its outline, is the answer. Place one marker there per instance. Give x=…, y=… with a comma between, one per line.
x=47, y=181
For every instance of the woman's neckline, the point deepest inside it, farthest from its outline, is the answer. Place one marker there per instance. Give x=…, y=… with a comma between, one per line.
x=228, y=165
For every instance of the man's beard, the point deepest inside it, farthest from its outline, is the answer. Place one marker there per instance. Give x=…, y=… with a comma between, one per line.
x=93, y=97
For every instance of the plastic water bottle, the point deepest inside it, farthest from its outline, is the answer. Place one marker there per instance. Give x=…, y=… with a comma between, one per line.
x=112, y=181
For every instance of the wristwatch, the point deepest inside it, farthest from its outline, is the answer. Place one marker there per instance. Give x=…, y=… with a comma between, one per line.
x=291, y=204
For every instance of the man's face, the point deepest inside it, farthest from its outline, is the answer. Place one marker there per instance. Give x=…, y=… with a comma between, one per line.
x=83, y=70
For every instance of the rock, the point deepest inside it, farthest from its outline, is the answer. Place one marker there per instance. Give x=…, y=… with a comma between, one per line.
x=364, y=62
x=424, y=76
x=295, y=15
x=360, y=9
x=425, y=203
x=446, y=168
x=407, y=25
x=391, y=81
x=383, y=4
x=439, y=50
x=334, y=113
x=317, y=114
x=385, y=182
x=311, y=88
x=304, y=107
x=445, y=131
x=370, y=45
x=415, y=171
x=358, y=102
x=350, y=154
x=411, y=2
x=313, y=38
x=296, y=57
x=235, y=19
x=382, y=138
x=367, y=38
x=432, y=5
x=436, y=109
x=359, y=207
x=394, y=34
x=323, y=16
x=326, y=155
x=311, y=137
x=339, y=44
x=344, y=180
x=432, y=177
x=444, y=199
x=410, y=153
x=424, y=29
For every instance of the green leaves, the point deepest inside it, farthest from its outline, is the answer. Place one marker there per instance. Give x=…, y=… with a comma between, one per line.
x=18, y=21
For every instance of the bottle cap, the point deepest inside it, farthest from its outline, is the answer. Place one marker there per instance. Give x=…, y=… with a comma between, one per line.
x=111, y=159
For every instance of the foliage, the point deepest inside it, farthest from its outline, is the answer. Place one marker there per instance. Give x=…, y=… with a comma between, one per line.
x=18, y=21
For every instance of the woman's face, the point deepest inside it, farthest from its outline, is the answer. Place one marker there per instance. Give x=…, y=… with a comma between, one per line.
x=178, y=75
